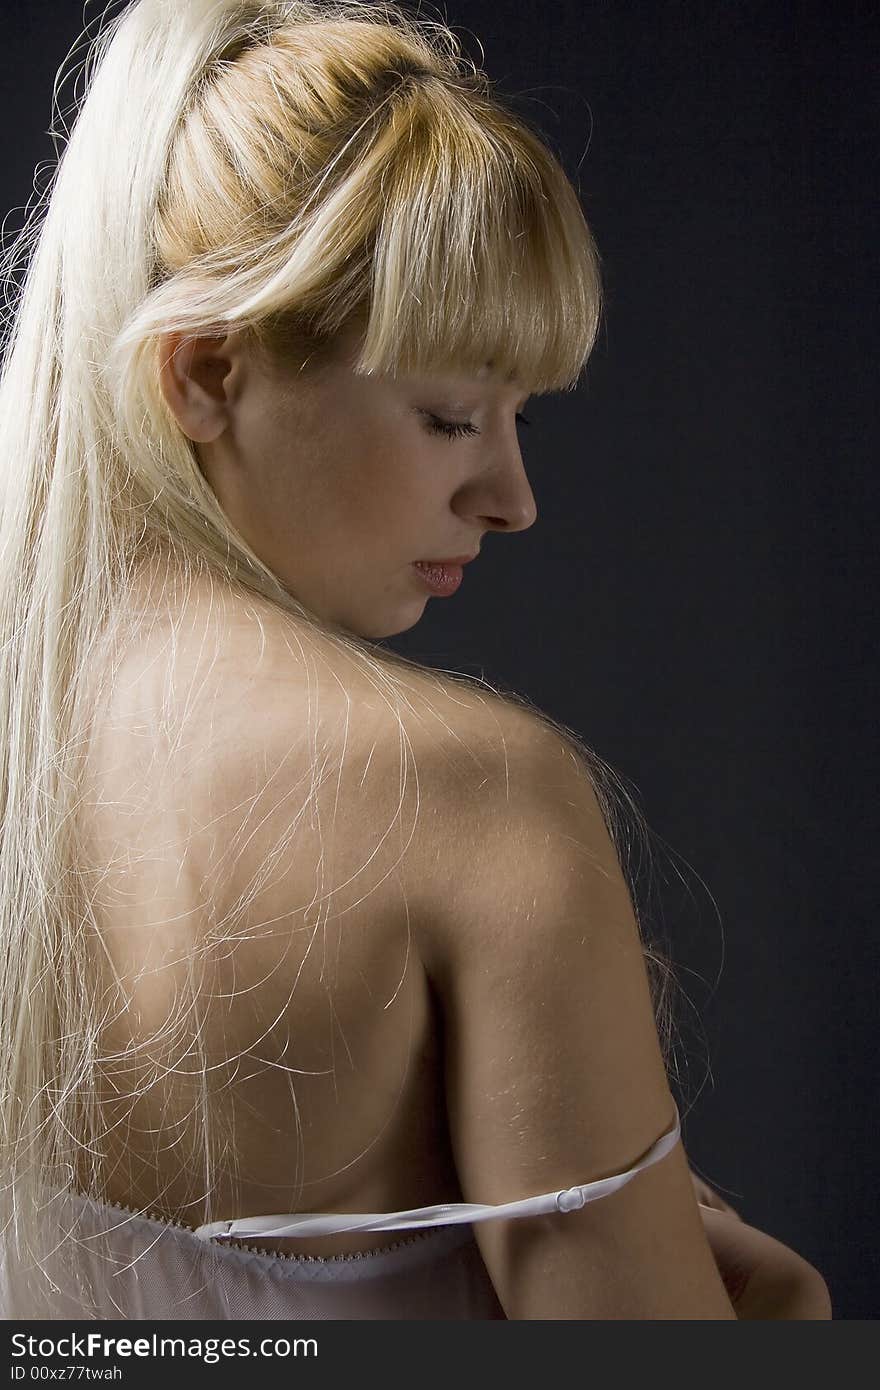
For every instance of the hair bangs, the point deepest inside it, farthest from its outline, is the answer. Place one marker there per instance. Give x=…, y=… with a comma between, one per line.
x=482, y=252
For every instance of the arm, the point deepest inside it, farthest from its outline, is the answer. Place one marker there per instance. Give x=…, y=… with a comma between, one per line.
x=554, y=1073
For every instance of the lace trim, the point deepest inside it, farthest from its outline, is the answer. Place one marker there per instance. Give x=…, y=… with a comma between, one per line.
x=226, y=1244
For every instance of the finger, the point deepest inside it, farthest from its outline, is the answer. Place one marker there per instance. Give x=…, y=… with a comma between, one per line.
x=708, y=1197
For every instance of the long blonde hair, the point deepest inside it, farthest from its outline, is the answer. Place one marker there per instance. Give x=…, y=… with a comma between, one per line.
x=276, y=166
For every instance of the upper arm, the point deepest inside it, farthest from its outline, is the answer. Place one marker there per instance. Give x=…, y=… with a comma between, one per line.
x=554, y=1071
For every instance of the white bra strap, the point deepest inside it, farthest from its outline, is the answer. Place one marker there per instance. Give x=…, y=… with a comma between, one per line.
x=446, y=1214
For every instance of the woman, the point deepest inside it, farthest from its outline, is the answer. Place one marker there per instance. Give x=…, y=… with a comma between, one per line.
x=314, y=961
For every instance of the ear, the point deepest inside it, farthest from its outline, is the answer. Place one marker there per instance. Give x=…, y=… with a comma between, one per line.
x=199, y=377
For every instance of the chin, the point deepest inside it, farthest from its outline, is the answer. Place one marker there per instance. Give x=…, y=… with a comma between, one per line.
x=378, y=633
x=377, y=630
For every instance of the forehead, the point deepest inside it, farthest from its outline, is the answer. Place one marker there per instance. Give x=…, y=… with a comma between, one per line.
x=488, y=370
x=462, y=377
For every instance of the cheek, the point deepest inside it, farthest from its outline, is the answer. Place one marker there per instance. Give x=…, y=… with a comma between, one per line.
x=386, y=486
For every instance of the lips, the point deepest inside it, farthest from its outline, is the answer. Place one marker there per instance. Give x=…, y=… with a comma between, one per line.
x=442, y=579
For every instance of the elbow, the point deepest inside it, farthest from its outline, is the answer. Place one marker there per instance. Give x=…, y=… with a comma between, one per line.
x=810, y=1297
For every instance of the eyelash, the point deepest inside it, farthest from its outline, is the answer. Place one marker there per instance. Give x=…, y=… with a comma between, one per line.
x=455, y=430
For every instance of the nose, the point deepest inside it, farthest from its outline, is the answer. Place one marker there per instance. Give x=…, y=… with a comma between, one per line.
x=501, y=496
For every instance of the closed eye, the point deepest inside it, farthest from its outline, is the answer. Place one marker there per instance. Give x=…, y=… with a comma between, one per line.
x=455, y=429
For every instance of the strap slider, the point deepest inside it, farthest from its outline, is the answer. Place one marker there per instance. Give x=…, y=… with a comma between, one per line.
x=572, y=1199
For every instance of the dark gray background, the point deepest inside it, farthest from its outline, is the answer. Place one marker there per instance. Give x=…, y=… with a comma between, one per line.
x=696, y=596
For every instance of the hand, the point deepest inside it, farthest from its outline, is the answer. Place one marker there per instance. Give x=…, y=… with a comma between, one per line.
x=764, y=1279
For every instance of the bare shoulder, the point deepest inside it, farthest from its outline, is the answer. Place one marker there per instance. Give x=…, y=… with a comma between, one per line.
x=511, y=811
x=454, y=788
x=553, y=1070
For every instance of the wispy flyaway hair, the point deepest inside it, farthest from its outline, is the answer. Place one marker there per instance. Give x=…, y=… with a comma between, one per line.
x=282, y=167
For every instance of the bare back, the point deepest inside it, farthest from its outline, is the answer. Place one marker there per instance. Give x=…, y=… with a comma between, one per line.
x=273, y=856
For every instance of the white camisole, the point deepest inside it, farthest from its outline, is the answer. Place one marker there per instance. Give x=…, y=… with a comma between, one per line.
x=130, y=1266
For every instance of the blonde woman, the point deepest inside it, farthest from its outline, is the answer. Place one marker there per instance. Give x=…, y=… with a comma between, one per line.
x=323, y=993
